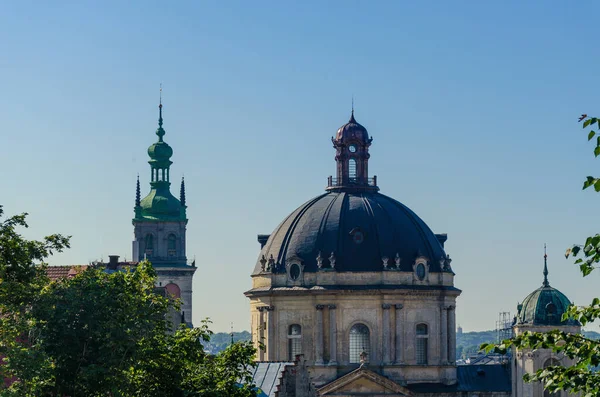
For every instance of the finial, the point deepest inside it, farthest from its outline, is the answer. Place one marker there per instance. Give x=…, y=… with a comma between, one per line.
x=182, y=192
x=160, y=131
x=137, y=192
x=546, y=283
x=232, y=332
x=352, y=120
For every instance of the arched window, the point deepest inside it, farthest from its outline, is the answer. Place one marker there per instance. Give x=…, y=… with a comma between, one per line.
x=551, y=362
x=359, y=343
x=171, y=245
x=421, y=343
x=294, y=341
x=352, y=170
x=149, y=244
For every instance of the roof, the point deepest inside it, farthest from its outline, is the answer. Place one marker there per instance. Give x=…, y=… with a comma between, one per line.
x=471, y=378
x=352, y=131
x=267, y=376
x=359, y=228
x=544, y=306
x=56, y=272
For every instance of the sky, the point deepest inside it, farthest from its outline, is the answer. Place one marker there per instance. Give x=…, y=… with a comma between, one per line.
x=473, y=107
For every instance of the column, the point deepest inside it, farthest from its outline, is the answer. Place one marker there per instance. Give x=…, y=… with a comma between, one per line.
x=332, y=336
x=386, y=333
x=270, y=333
x=452, y=333
x=261, y=332
x=444, y=336
x=399, y=333
x=319, y=336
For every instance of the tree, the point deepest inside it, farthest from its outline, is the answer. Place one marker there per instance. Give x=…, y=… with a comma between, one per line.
x=582, y=377
x=101, y=333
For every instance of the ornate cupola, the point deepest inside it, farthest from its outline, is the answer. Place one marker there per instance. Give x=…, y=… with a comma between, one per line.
x=352, y=143
x=159, y=204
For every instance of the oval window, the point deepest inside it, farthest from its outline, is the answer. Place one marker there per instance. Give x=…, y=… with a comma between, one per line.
x=294, y=271
x=421, y=271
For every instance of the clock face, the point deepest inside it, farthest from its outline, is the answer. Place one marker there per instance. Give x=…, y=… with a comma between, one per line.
x=352, y=149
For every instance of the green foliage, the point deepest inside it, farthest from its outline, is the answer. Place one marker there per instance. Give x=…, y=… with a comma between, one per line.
x=581, y=377
x=101, y=333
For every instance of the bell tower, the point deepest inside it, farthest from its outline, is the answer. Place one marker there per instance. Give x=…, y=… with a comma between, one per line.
x=352, y=144
x=160, y=223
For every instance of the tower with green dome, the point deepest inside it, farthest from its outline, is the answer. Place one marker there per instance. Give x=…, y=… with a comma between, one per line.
x=540, y=311
x=160, y=223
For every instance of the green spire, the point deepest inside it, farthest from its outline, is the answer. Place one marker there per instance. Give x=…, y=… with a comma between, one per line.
x=137, y=192
x=182, y=192
x=160, y=131
x=546, y=283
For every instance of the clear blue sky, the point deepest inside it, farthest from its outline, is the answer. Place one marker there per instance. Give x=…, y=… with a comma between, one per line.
x=472, y=105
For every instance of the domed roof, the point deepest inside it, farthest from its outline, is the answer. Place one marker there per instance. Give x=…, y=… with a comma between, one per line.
x=160, y=204
x=359, y=228
x=352, y=130
x=160, y=151
x=545, y=305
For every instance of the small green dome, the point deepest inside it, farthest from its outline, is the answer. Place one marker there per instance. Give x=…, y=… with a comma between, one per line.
x=544, y=306
x=160, y=151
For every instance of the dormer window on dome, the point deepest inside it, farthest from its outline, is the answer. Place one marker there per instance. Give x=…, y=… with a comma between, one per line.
x=352, y=143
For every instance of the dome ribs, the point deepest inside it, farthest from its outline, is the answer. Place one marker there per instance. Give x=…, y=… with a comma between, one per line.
x=286, y=240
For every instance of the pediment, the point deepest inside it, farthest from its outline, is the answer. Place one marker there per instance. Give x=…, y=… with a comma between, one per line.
x=363, y=382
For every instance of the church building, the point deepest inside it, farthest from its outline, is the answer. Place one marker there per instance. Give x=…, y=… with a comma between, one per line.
x=160, y=223
x=356, y=293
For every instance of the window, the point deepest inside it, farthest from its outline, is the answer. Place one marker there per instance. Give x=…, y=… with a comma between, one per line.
x=420, y=271
x=149, y=244
x=171, y=245
x=294, y=341
x=421, y=343
x=352, y=170
x=294, y=271
x=359, y=342
x=551, y=362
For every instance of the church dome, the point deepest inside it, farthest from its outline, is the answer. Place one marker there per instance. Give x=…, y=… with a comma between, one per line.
x=352, y=130
x=544, y=306
x=160, y=204
x=357, y=231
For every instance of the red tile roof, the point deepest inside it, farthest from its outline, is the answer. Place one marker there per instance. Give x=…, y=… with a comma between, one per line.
x=56, y=272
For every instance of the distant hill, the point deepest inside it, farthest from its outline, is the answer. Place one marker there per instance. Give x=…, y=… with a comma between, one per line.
x=467, y=344
x=220, y=341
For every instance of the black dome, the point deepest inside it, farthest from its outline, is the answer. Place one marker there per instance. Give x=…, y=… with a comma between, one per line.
x=352, y=131
x=359, y=228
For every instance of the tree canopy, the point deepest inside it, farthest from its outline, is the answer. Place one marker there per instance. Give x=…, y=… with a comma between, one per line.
x=101, y=333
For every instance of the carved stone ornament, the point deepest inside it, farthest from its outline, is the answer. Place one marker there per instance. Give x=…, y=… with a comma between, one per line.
x=386, y=306
x=320, y=307
x=331, y=307
x=263, y=262
x=397, y=259
x=332, y=260
x=385, y=260
x=399, y=306
x=271, y=264
x=319, y=261
x=447, y=264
